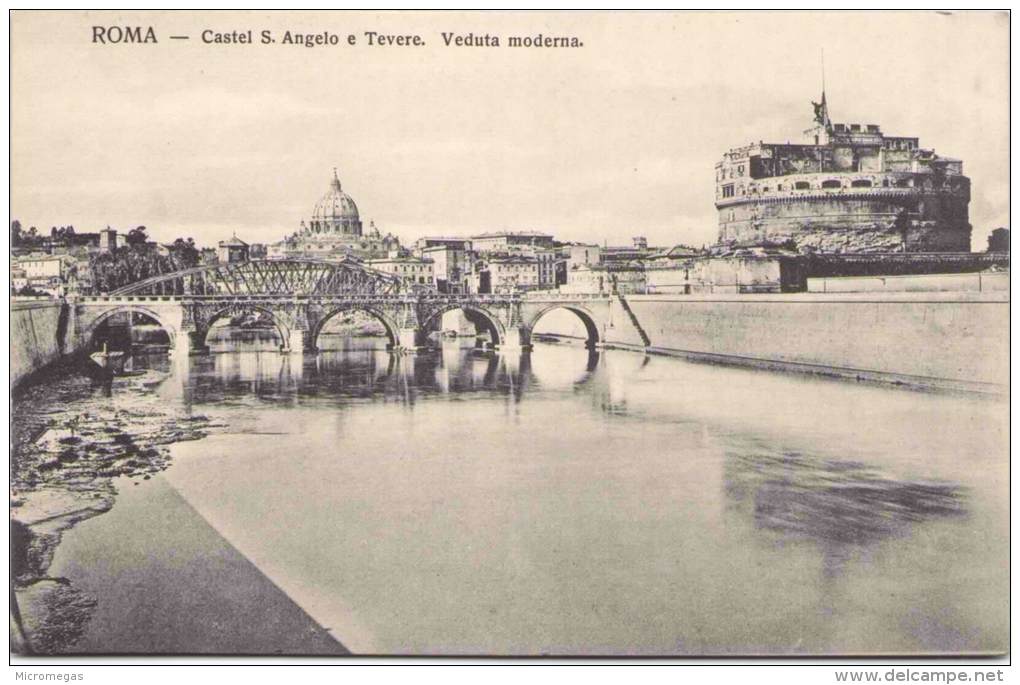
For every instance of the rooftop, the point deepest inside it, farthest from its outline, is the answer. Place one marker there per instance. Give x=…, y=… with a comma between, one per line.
x=386, y=260
x=233, y=242
x=517, y=234
x=513, y=259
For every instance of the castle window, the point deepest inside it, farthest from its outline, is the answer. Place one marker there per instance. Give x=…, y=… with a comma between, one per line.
x=860, y=184
x=830, y=184
x=903, y=183
x=801, y=185
x=727, y=190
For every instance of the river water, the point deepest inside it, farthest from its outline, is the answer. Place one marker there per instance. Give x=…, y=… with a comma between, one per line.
x=557, y=502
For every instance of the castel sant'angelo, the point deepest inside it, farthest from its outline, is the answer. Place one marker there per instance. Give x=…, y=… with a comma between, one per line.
x=851, y=189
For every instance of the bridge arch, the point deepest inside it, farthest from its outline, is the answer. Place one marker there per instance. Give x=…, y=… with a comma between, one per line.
x=483, y=319
x=89, y=332
x=282, y=329
x=585, y=315
x=387, y=322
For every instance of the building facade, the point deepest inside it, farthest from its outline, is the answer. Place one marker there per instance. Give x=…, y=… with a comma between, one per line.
x=108, y=240
x=451, y=266
x=581, y=254
x=628, y=279
x=503, y=273
x=232, y=251
x=424, y=243
x=547, y=258
x=55, y=275
x=850, y=189
x=503, y=241
x=411, y=270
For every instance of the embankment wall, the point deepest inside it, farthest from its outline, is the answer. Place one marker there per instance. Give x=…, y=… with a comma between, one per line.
x=39, y=331
x=957, y=338
x=960, y=338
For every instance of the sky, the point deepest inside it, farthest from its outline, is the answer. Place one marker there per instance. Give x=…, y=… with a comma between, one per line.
x=600, y=143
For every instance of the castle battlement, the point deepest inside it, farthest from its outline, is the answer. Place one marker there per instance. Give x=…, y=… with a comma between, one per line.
x=850, y=188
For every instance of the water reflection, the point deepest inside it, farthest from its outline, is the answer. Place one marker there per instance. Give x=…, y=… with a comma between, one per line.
x=835, y=503
x=832, y=502
x=369, y=373
x=594, y=503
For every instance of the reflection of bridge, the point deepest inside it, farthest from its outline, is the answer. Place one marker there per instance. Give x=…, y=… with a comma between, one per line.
x=300, y=296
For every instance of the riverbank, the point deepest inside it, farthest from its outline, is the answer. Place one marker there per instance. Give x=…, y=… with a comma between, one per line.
x=83, y=448
x=169, y=583
x=71, y=437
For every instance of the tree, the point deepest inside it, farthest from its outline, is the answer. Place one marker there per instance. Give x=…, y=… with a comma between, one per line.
x=183, y=254
x=998, y=241
x=30, y=291
x=15, y=233
x=137, y=236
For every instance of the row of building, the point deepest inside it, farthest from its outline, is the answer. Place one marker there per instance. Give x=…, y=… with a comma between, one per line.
x=491, y=262
x=848, y=200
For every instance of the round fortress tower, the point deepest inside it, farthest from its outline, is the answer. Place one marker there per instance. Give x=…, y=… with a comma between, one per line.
x=851, y=190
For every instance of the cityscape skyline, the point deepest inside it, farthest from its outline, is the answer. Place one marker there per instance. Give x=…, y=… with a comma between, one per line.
x=188, y=148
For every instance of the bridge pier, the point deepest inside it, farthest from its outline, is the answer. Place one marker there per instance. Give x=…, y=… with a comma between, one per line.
x=409, y=340
x=190, y=342
x=182, y=346
x=518, y=338
x=297, y=341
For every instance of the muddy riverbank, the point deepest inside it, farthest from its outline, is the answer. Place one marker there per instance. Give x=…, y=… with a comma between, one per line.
x=71, y=436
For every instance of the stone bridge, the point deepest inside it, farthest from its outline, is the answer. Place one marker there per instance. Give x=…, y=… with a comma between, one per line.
x=300, y=296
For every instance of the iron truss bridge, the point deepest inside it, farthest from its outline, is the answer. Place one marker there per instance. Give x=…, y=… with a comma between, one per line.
x=300, y=296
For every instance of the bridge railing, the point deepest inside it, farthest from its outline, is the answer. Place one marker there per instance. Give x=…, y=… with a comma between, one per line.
x=556, y=295
x=102, y=299
x=431, y=298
